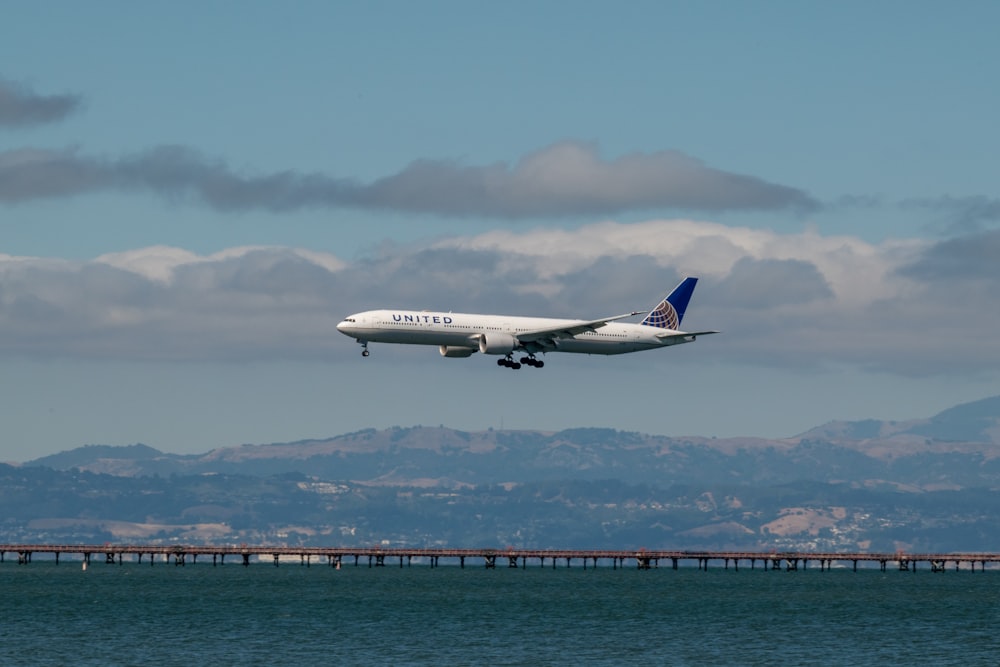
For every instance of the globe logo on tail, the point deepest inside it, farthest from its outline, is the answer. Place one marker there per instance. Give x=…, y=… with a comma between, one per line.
x=664, y=317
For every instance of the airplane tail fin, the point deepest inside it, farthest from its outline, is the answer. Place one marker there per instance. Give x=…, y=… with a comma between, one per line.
x=670, y=312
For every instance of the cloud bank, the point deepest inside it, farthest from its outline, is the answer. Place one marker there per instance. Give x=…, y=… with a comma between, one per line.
x=20, y=106
x=801, y=301
x=568, y=178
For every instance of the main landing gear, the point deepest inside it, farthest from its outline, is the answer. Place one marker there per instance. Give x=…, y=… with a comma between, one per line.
x=529, y=360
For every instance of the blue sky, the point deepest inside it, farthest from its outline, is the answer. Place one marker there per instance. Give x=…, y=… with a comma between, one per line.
x=193, y=195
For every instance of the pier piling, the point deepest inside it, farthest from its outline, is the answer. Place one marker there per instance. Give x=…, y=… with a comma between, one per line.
x=516, y=558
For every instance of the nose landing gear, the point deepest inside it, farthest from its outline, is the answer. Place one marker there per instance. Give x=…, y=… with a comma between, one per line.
x=364, y=348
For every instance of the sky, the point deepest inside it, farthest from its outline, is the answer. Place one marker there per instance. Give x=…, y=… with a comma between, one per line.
x=193, y=195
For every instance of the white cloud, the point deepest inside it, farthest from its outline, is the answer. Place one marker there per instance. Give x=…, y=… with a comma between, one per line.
x=782, y=300
x=155, y=263
x=160, y=263
x=856, y=270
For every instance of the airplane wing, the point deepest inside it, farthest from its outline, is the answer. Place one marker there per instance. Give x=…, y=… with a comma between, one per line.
x=569, y=330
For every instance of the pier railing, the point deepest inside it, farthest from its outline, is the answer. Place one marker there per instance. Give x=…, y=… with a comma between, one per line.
x=378, y=556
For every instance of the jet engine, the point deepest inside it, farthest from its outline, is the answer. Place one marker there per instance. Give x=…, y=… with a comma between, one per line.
x=452, y=351
x=497, y=343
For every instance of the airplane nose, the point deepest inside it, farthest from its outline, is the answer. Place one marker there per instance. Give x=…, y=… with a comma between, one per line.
x=347, y=326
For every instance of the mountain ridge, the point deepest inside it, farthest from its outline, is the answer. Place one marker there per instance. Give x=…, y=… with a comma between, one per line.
x=397, y=454
x=931, y=485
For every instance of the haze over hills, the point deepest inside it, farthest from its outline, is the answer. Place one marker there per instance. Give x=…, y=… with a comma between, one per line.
x=922, y=484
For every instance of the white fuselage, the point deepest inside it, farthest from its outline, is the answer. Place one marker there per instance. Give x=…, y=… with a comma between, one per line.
x=465, y=330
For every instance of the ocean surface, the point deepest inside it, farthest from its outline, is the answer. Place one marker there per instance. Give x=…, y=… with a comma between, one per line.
x=134, y=614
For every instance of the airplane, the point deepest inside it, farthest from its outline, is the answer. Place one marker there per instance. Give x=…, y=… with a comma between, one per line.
x=464, y=334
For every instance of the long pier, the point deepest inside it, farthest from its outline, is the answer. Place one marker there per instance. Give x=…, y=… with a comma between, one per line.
x=490, y=558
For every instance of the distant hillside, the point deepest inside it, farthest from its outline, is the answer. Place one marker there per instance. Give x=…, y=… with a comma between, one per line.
x=954, y=449
x=86, y=456
x=928, y=484
x=970, y=422
x=977, y=422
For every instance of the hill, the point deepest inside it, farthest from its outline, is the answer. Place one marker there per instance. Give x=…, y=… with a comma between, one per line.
x=929, y=484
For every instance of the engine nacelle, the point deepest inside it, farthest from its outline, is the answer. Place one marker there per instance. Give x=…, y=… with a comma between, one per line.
x=452, y=351
x=497, y=343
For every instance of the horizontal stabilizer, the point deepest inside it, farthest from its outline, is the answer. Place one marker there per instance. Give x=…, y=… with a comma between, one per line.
x=683, y=334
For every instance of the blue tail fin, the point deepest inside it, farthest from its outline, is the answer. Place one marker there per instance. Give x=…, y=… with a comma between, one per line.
x=670, y=312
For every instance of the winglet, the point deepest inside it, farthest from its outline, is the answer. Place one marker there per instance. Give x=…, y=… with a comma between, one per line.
x=669, y=313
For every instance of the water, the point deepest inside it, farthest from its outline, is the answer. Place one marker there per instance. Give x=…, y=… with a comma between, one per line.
x=292, y=615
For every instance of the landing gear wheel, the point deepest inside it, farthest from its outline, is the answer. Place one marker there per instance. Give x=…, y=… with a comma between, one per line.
x=365, y=353
x=509, y=362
